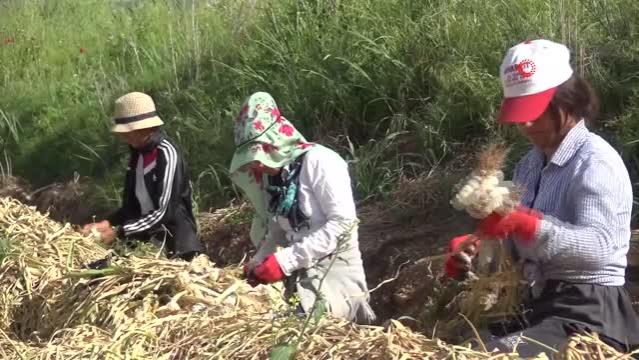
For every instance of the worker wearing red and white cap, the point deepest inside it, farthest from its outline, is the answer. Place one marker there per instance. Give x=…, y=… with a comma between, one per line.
x=572, y=232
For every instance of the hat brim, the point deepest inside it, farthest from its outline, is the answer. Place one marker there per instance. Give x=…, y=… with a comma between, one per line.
x=525, y=108
x=138, y=125
x=243, y=156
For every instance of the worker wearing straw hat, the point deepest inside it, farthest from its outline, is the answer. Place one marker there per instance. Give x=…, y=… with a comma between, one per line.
x=305, y=227
x=572, y=232
x=157, y=192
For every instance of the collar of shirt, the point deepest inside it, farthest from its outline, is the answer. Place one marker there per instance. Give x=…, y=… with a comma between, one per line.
x=568, y=147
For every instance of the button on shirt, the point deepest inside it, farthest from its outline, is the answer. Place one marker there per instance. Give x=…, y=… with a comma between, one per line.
x=585, y=194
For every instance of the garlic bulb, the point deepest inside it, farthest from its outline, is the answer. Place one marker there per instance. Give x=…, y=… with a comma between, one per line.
x=485, y=193
x=96, y=234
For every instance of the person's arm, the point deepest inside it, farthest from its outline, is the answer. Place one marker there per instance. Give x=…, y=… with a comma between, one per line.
x=168, y=177
x=274, y=237
x=597, y=195
x=327, y=175
x=117, y=217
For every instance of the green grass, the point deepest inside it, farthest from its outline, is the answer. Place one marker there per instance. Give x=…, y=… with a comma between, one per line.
x=405, y=82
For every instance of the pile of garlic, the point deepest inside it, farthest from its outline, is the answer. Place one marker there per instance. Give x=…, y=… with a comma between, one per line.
x=485, y=193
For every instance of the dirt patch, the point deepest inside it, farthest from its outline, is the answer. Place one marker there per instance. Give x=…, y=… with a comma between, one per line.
x=225, y=234
x=632, y=271
x=401, y=242
x=401, y=251
x=75, y=201
x=15, y=187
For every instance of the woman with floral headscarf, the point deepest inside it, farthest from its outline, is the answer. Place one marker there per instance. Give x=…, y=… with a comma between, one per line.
x=305, y=223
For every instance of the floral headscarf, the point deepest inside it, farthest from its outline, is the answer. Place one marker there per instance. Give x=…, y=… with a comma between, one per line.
x=262, y=134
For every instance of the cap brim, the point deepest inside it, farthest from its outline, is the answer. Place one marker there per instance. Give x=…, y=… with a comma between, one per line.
x=525, y=108
x=138, y=125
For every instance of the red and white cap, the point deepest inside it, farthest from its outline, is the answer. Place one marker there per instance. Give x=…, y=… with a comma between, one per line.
x=530, y=74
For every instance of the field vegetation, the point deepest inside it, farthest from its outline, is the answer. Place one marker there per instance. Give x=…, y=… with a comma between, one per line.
x=398, y=87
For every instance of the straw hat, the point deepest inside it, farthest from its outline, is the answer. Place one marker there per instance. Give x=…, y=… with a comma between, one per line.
x=135, y=111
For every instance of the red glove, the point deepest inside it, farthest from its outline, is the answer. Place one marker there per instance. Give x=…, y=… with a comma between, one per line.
x=454, y=267
x=522, y=223
x=269, y=271
x=250, y=277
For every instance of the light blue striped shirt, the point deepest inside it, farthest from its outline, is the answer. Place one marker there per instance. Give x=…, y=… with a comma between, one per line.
x=586, y=197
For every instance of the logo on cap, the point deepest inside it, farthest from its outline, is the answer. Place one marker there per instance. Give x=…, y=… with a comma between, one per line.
x=526, y=68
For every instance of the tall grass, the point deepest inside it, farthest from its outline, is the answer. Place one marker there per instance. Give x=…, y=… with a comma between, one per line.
x=407, y=82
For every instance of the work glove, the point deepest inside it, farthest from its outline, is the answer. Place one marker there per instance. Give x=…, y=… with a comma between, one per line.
x=458, y=265
x=522, y=224
x=268, y=271
x=249, y=276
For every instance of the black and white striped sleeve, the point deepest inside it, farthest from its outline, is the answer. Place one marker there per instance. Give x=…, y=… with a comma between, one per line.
x=147, y=222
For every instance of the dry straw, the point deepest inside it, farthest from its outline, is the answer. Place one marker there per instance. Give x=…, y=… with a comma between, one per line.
x=147, y=308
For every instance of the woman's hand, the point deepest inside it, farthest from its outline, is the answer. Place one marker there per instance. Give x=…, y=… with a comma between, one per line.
x=99, y=226
x=106, y=232
x=465, y=249
x=268, y=271
x=108, y=235
x=522, y=223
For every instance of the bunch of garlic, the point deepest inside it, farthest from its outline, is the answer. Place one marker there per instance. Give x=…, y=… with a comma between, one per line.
x=485, y=193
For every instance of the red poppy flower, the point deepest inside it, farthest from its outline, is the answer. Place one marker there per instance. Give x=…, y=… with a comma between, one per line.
x=83, y=50
x=287, y=130
x=258, y=125
x=8, y=41
x=269, y=148
x=304, y=145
